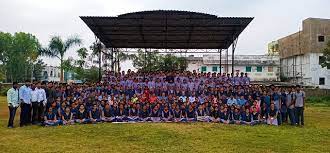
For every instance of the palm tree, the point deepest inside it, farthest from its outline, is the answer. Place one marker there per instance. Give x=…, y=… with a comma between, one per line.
x=121, y=56
x=57, y=48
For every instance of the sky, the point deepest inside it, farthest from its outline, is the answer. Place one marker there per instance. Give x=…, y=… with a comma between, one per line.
x=273, y=19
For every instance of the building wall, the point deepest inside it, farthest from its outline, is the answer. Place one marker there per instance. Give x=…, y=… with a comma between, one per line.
x=300, y=53
x=310, y=67
x=51, y=73
x=306, y=40
x=269, y=65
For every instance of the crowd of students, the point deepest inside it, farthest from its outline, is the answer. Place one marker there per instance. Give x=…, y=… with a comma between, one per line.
x=157, y=97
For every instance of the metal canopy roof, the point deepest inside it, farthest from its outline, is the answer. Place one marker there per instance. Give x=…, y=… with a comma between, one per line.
x=167, y=30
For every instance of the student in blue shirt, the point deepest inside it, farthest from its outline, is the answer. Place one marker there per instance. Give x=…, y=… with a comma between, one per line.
x=224, y=116
x=191, y=114
x=144, y=113
x=236, y=116
x=50, y=118
x=246, y=117
x=241, y=101
x=67, y=117
x=202, y=115
x=155, y=114
x=177, y=113
x=95, y=114
x=108, y=114
x=255, y=116
x=214, y=114
x=272, y=115
x=82, y=115
x=133, y=113
x=167, y=114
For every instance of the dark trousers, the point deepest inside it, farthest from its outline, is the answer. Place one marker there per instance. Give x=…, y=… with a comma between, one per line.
x=299, y=115
x=25, y=117
x=291, y=113
x=12, y=113
x=284, y=116
x=279, y=118
x=41, y=110
x=35, y=109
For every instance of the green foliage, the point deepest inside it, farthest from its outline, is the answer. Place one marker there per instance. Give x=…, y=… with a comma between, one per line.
x=326, y=56
x=17, y=53
x=3, y=91
x=318, y=101
x=153, y=61
x=58, y=47
x=38, y=68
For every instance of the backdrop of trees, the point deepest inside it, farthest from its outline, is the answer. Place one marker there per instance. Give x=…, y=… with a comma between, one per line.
x=20, y=58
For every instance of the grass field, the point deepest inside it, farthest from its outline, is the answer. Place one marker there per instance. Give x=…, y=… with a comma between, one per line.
x=170, y=137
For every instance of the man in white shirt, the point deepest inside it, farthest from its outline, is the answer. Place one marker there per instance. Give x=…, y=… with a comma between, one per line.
x=35, y=104
x=25, y=99
x=13, y=103
x=42, y=100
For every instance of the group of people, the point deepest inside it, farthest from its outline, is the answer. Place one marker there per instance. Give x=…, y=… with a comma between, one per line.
x=157, y=97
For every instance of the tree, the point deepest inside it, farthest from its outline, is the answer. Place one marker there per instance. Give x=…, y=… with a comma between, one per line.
x=57, y=48
x=38, y=68
x=121, y=56
x=18, y=52
x=97, y=51
x=325, y=60
x=153, y=61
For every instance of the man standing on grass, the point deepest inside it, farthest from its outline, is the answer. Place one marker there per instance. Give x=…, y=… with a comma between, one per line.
x=42, y=100
x=25, y=99
x=299, y=106
x=13, y=103
x=35, y=104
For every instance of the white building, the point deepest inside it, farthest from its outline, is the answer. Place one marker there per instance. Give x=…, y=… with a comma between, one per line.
x=258, y=67
x=301, y=53
x=51, y=73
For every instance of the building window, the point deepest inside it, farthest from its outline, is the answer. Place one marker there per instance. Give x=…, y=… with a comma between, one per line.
x=51, y=73
x=203, y=68
x=321, y=59
x=320, y=38
x=259, y=69
x=214, y=68
x=270, y=69
x=248, y=69
x=321, y=81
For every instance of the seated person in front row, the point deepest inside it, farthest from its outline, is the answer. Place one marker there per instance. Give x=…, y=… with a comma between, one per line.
x=246, y=117
x=202, y=115
x=82, y=115
x=154, y=115
x=255, y=116
x=67, y=116
x=215, y=114
x=108, y=114
x=177, y=114
x=133, y=113
x=144, y=113
x=121, y=114
x=167, y=114
x=236, y=116
x=95, y=114
x=191, y=114
x=50, y=118
x=224, y=116
x=272, y=115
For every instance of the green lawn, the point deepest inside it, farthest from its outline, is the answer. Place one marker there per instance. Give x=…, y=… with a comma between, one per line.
x=169, y=137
